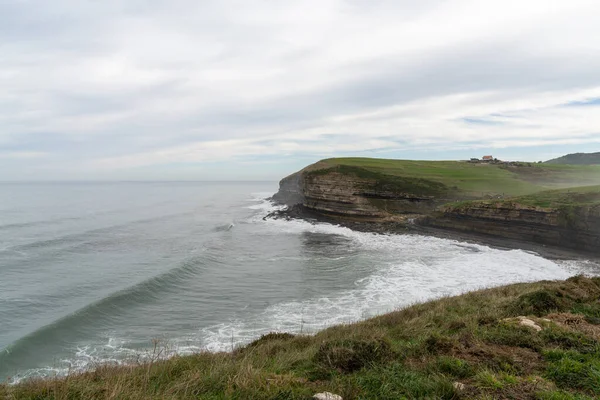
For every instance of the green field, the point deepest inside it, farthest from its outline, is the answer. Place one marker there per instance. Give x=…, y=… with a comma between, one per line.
x=467, y=347
x=475, y=180
x=584, y=196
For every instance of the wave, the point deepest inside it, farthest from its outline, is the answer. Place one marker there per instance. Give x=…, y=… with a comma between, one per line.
x=86, y=237
x=63, y=330
x=224, y=227
x=29, y=224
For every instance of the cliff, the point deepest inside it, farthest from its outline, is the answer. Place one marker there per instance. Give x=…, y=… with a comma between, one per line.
x=483, y=199
x=355, y=193
x=576, y=227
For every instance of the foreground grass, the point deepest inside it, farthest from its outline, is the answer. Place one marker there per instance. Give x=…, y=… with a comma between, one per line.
x=460, y=347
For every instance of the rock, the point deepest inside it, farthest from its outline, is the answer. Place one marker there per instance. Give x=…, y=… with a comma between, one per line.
x=459, y=386
x=524, y=321
x=327, y=396
x=529, y=323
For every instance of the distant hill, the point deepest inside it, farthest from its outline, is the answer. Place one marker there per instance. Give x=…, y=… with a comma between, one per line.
x=577, y=159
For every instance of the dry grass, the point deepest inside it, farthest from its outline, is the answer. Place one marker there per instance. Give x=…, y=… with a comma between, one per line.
x=418, y=352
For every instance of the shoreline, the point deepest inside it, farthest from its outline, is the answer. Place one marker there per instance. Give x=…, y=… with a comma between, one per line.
x=398, y=228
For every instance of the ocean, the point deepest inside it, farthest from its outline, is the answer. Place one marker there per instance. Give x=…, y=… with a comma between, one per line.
x=94, y=273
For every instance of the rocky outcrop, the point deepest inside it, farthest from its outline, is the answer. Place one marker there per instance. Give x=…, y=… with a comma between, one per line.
x=575, y=228
x=357, y=196
x=353, y=193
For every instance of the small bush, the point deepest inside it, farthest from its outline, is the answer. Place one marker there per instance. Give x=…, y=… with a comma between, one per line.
x=590, y=311
x=569, y=340
x=352, y=355
x=270, y=337
x=437, y=344
x=540, y=302
x=511, y=335
x=456, y=326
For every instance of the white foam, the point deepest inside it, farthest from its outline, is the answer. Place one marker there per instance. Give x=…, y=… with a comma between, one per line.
x=114, y=352
x=416, y=268
x=263, y=206
x=259, y=196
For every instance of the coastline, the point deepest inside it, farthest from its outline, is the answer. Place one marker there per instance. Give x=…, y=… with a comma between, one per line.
x=399, y=228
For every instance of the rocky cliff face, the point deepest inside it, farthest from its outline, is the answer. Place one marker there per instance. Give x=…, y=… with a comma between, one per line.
x=358, y=195
x=575, y=228
x=350, y=195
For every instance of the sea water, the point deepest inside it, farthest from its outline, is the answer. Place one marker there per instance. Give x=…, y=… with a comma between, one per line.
x=94, y=273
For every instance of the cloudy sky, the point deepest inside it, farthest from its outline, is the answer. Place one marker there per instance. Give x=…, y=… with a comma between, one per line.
x=255, y=89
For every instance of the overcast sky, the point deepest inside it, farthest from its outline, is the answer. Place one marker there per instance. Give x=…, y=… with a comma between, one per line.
x=256, y=89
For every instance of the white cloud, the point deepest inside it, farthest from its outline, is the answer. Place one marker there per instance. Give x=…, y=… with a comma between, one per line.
x=118, y=86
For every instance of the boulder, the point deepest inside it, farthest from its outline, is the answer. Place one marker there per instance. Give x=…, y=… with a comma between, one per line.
x=327, y=396
x=529, y=323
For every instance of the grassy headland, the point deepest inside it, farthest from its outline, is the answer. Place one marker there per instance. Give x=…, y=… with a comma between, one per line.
x=577, y=159
x=470, y=346
x=464, y=179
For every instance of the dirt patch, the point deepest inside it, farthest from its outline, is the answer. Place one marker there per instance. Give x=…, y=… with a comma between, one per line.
x=577, y=323
x=501, y=358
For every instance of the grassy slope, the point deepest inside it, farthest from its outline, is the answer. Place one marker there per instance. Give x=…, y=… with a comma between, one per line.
x=585, y=196
x=577, y=159
x=418, y=352
x=477, y=180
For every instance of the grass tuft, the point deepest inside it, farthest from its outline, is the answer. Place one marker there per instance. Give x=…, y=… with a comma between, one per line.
x=351, y=355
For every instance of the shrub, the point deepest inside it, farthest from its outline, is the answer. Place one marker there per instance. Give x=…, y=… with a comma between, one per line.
x=590, y=311
x=352, y=355
x=540, y=302
x=511, y=335
x=569, y=340
x=270, y=337
x=437, y=344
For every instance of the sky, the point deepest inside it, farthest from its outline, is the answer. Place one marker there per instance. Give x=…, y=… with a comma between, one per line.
x=257, y=89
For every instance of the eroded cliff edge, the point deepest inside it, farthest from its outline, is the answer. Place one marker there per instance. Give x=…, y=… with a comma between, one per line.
x=575, y=227
x=350, y=194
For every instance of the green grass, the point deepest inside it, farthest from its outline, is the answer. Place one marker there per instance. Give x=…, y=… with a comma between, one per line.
x=471, y=180
x=570, y=197
x=420, y=352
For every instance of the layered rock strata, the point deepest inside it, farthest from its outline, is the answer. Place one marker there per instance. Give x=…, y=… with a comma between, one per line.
x=353, y=194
